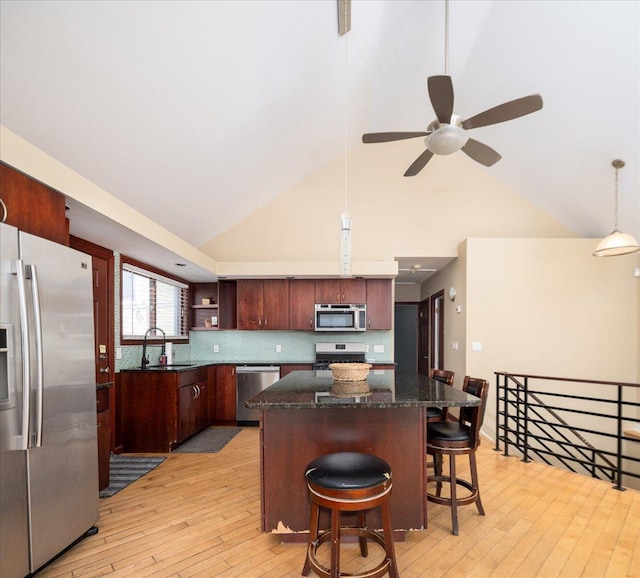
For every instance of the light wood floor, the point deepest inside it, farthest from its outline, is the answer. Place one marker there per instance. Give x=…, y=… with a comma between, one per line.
x=199, y=515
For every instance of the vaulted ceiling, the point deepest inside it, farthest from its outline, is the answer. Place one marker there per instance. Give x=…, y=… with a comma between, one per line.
x=223, y=105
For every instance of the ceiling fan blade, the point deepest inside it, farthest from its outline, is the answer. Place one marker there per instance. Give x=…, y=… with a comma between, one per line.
x=481, y=153
x=419, y=164
x=390, y=136
x=441, y=95
x=507, y=111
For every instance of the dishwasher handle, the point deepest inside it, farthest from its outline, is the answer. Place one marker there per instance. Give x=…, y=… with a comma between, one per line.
x=258, y=369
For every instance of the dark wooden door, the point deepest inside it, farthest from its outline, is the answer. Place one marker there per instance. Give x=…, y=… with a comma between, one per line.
x=275, y=304
x=301, y=304
x=378, y=304
x=226, y=394
x=250, y=304
x=436, y=331
x=423, y=337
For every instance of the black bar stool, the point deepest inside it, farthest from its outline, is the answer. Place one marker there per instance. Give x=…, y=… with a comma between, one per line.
x=454, y=438
x=349, y=482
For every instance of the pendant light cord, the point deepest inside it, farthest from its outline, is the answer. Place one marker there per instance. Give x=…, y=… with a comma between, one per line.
x=446, y=37
x=615, y=220
x=346, y=118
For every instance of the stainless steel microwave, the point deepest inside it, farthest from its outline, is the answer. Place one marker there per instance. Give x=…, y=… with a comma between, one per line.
x=340, y=317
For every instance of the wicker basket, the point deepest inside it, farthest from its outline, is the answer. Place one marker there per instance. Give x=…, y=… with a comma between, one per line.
x=350, y=389
x=350, y=371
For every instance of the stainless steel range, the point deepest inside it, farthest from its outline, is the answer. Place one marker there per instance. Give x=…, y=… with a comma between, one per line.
x=327, y=353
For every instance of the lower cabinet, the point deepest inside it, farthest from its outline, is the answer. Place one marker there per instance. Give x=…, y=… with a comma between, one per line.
x=193, y=409
x=161, y=409
x=225, y=407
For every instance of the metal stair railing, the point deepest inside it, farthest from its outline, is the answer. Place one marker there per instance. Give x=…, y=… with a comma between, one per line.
x=528, y=421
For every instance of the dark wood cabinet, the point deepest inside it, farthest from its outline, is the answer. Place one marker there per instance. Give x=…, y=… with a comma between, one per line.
x=263, y=304
x=103, y=408
x=225, y=410
x=301, y=304
x=287, y=369
x=33, y=207
x=193, y=409
x=220, y=309
x=158, y=409
x=379, y=304
x=340, y=291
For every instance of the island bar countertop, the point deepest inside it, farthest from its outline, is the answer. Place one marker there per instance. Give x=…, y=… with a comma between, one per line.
x=387, y=389
x=304, y=415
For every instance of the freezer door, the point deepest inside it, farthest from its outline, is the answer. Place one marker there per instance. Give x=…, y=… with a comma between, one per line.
x=63, y=457
x=14, y=533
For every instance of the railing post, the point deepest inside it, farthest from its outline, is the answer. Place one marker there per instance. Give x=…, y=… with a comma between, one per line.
x=526, y=421
x=505, y=421
x=618, y=485
x=497, y=448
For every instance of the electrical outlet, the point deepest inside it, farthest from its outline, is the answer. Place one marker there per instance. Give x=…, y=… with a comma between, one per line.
x=216, y=348
x=378, y=348
x=278, y=348
x=118, y=352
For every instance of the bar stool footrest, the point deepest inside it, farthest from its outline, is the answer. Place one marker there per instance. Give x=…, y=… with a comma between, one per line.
x=470, y=499
x=325, y=536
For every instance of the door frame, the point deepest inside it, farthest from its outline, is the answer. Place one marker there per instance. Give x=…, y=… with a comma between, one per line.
x=431, y=333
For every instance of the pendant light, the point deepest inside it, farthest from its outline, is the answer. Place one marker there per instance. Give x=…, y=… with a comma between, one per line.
x=344, y=25
x=616, y=243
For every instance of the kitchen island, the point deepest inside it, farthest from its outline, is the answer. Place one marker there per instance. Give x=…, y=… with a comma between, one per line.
x=306, y=415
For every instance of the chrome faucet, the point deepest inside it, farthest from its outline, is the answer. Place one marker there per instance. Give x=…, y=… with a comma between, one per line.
x=145, y=359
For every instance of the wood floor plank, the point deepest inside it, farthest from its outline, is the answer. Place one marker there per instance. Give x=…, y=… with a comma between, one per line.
x=198, y=516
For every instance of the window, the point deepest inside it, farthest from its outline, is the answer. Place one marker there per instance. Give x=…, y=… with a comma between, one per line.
x=149, y=300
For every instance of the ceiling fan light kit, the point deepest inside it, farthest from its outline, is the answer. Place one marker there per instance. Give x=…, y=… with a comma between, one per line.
x=616, y=243
x=448, y=133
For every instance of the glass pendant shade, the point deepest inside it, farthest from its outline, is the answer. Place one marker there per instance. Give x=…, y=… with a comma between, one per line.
x=616, y=243
x=447, y=140
x=345, y=245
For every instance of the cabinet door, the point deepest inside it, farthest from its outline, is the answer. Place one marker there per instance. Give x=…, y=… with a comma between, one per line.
x=301, y=304
x=353, y=291
x=287, y=369
x=202, y=406
x=275, y=301
x=250, y=303
x=211, y=393
x=327, y=291
x=32, y=207
x=187, y=403
x=226, y=393
x=341, y=291
x=379, y=304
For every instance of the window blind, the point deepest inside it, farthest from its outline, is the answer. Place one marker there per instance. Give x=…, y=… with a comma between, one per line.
x=151, y=300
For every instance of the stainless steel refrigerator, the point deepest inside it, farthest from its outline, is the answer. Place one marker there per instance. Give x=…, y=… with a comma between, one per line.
x=48, y=441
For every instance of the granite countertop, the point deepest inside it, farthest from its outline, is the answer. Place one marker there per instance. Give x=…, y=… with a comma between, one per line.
x=385, y=389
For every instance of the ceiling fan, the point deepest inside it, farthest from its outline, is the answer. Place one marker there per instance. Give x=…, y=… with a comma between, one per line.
x=448, y=133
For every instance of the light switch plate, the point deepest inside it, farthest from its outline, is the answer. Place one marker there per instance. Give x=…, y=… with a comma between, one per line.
x=476, y=346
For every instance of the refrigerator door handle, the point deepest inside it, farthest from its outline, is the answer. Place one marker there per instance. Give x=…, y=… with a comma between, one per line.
x=26, y=362
x=37, y=317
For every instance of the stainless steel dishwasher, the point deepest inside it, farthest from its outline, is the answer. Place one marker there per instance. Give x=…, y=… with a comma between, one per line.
x=251, y=380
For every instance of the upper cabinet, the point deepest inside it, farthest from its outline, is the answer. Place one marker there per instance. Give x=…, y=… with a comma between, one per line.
x=301, y=304
x=33, y=207
x=263, y=304
x=213, y=306
x=379, y=304
x=341, y=291
x=281, y=304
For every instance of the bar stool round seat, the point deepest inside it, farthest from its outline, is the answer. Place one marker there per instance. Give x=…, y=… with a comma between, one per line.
x=349, y=482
